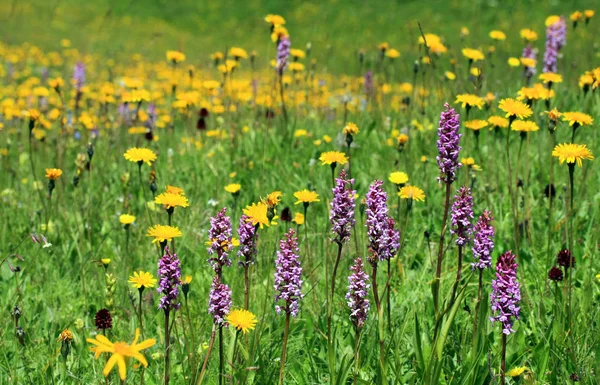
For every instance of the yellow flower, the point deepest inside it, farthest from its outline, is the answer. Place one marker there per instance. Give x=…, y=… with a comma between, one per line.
x=233, y=188
x=170, y=200
x=576, y=16
x=140, y=155
x=298, y=219
x=498, y=35
x=120, y=352
x=553, y=114
x=498, y=121
x=241, y=320
x=392, y=53
x=53, y=173
x=333, y=157
x=257, y=214
x=412, y=192
x=297, y=53
x=572, y=153
x=216, y=57
x=528, y=34
x=476, y=124
x=589, y=13
x=273, y=198
x=300, y=133
x=549, y=77
x=105, y=261
x=142, y=279
x=577, y=118
x=65, y=336
x=524, y=126
x=450, y=75
x=186, y=280
x=515, y=108
x=467, y=161
x=464, y=31
x=305, y=196
x=402, y=139
x=516, y=372
x=276, y=20
x=162, y=233
x=528, y=62
x=238, y=53
x=469, y=100
x=550, y=20
x=174, y=190
x=175, y=56
x=351, y=129
x=398, y=177
x=514, y=62
x=423, y=159
x=473, y=54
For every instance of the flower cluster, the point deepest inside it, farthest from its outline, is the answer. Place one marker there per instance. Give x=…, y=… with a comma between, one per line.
x=288, y=275
x=448, y=144
x=358, y=288
x=530, y=53
x=461, y=215
x=169, y=275
x=283, y=53
x=506, y=293
x=219, y=301
x=248, y=238
x=556, y=38
x=342, y=208
x=219, y=237
x=384, y=240
x=79, y=75
x=483, y=243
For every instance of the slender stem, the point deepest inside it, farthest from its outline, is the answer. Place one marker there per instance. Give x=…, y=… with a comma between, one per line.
x=140, y=314
x=284, y=348
x=167, y=346
x=378, y=306
x=221, y=358
x=438, y=271
x=356, y=355
x=335, y=268
x=191, y=326
x=503, y=364
x=210, y=347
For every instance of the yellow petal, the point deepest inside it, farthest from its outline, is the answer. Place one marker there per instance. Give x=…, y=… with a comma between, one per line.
x=140, y=357
x=144, y=344
x=104, y=340
x=110, y=364
x=122, y=367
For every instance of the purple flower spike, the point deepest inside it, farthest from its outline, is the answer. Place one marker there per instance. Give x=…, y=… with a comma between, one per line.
x=79, y=75
x=248, y=238
x=288, y=275
x=283, y=52
x=556, y=38
x=384, y=240
x=461, y=215
x=219, y=237
x=342, y=209
x=530, y=53
x=219, y=301
x=169, y=274
x=358, y=287
x=483, y=243
x=506, y=293
x=448, y=144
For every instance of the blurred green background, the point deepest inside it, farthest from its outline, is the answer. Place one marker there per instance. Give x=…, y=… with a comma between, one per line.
x=150, y=27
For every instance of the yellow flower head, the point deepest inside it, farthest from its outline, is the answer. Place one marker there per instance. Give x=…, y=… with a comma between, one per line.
x=515, y=108
x=498, y=35
x=576, y=16
x=186, y=280
x=423, y=159
x=175, y=56
x=140, y=155
x=516, y=372
x=142, y=279
x=498, y=121
x=514, y=62
x=305, y=196
x=402, y=139
x=528, y=62
x=273, y=198
x=553, y=114
x=550, y=77
x=398, y=177
x=297, y=53
x=105, y=261
x=572, y=153
x=275, y=20
x=238, y=53
x=524, y=126
x=450, y=75
x=469, y=100
x=233, y=188
x=65, y=336
x=257, y=214
x=392, y=53
x=298, y=219
x=170, y=200
x=551, y=20
x=577, y=118
x=242, y=320
x=121, y=352
x=162, y=233
x=473, y=54
x=467, y=161
x=476, y=124
x=412, y=192
x=589, y=13
x=53, y=173
x=174, y=190
x=351, y=129
x=528, y=34
x=331, y=157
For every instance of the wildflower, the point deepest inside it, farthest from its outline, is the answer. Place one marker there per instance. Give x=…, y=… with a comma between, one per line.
x=248, y=238
x=299, y=219
x=448, y=145
x=515, y=109
x=553, y=114
x=342, y=208
x=169, y=274
x=79, y=75
x=162, y=233
x=483, y=242
x=351, y=129
x=242, y=320
x=121, y=352
x=305, y=196
x=514, y=62
x=257, y=214
x=275, y=20
x=577, y=119
x=171, y=200
x=572, y=153
x=288, y=275
x=283, y=52
x=126, y=219
x=103, y=319
x=53, y=173
x=528, y=34
x=219, y=236
x=461, y=215
x=506, y=293
x=398, y=178
x=516, y=372
x=565, y=258
x=468, y=101
x=384, y=240
x=498, y=35
x=392, y=53
x=528, y=59
x=556, y=37
x=141, y=280
x=476, y=124
x=450, y=75
x=175, y=57
x=498, y=121
x=555, y=274
x=413, y=193
x=140, y=155
x=65, y=336
x=473, y=54
x=524, y=126
x=550, y=77
x=174, y=190
x=333, y=158
x=358, y=288
x=233, y=188
x=238, y=53
x=219, y=301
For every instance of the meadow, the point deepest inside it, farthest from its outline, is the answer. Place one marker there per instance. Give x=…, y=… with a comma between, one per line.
x=303, y=193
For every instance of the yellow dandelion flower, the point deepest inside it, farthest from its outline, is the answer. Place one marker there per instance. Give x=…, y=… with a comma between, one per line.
x=351, y=129
x=333, y=157
x=589, y=13
x=524, y=126
x=476, y=124
x=550, y=77
x=572, y=153
x=174, y=190
x=515, y=108
x=53, y=173
x=514, y=62
x=450, y=75
x=528, y=62
x=242, y=320
x=577, y=118
x=233, y=188
x=273, y=198
x=576, y=16
x=170, y=200
x=398, y=177
x=553, y=114
x=140, y=155
x=551, y=20
x=238, y=53
x=257, y=214
x=412, y=192
x=467, y=161
x=528, y=34
x=175, y=56
x=142, y=280
x=162, y=233
x=473, y=54
x=392, y=53
x=498, y=121
x=516, y=372
x=65, y=336
x=498, y=35
x=306, y=196
x=469, y=100
x=298, y=219
x=275, y=19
